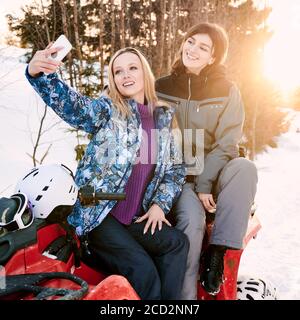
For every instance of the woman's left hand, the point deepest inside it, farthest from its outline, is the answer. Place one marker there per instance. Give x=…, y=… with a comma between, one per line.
x=208, y=202
x=155, y=217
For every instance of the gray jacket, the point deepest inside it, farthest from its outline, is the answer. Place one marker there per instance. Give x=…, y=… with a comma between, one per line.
x=212, y=103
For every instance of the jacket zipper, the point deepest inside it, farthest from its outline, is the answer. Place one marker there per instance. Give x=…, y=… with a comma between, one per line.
x=188, y=103
x=187, y=110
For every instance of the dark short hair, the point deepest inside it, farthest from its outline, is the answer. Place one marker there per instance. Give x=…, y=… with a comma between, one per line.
x=218, y=37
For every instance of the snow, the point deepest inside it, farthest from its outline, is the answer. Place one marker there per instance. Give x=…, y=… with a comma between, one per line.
x=20, y=112
x=273, y=256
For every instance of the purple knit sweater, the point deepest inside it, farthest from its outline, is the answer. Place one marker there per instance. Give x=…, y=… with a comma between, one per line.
x=141, y=175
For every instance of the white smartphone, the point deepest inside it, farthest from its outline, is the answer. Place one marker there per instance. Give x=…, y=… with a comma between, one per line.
x=61, y=41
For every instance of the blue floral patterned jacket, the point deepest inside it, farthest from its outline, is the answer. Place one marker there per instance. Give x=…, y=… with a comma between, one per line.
x=111, y=153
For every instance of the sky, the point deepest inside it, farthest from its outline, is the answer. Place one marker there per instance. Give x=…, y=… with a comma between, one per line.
x=283, y=51
x=274, y=255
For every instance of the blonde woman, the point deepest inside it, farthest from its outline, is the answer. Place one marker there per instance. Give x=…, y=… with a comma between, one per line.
x=132, y=238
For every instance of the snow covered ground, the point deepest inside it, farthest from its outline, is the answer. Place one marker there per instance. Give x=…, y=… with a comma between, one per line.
x=20, y=113
x=273, y=256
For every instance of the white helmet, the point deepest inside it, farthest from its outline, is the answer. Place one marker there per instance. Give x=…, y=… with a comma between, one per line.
x=255, y=289
x=47, y=187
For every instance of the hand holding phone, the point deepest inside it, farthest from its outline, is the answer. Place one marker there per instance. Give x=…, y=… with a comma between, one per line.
x=48, y=60
x=65, y=45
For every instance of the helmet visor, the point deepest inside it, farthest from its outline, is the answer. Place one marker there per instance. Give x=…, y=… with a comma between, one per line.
x=22, y=219
x=27, y=216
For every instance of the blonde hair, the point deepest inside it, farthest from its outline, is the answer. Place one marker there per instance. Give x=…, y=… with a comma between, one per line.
x=149, y=83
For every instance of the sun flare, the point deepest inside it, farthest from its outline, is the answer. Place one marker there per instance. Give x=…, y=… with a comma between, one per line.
x=282, y=52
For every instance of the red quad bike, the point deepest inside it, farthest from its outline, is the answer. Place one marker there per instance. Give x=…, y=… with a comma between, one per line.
x=41, y=261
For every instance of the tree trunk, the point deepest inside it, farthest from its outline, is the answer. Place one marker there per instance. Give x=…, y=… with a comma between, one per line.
x=65, y=29
x=46, y=23
x=160, y=38
x=54, y=21
x=171, y=37
x=150, y=30
x=101, y=43
x=113, y=26
x=77, y=42
x=122, y=22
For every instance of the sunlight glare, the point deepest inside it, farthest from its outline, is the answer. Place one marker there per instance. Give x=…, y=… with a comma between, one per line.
x=282, y=52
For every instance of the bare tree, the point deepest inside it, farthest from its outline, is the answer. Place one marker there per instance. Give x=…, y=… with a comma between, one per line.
x=149, y=30
x=171, y=33
x=101, y=42
x=37, y=142
x=77, y=42
x=54, y=21
x=122, y=22
x=65, y=29
x=160, y=38
x=45, y=22
x=113, y=26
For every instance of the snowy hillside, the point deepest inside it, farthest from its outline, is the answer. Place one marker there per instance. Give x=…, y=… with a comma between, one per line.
x=20, y=113
x=274, y=255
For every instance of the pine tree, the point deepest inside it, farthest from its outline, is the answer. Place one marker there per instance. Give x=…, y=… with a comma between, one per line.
x=98, y=28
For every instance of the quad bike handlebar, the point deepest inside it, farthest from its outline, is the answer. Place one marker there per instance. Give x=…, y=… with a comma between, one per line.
x=89, y=196
x=29, y=283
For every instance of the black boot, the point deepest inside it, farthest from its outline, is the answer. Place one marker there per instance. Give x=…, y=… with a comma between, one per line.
x=212, y=275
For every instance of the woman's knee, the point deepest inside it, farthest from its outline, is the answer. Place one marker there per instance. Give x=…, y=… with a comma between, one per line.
x=193, y=223
x=244, y=166
x=190, y=215
x=136, y=263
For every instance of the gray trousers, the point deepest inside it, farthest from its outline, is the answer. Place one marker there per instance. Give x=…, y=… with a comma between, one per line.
x=235, y=190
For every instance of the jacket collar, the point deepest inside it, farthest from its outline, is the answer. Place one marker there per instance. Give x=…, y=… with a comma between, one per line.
x=208, y=74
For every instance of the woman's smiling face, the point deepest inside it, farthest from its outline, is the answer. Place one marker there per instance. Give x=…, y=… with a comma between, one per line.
x=197, y=52
x=129, y=76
